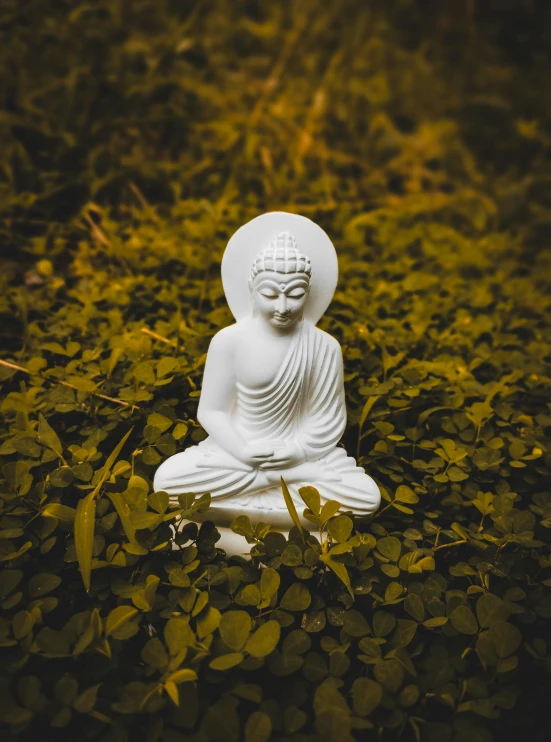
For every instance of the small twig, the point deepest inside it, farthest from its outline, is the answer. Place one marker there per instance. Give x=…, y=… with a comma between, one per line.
x=71, y=386
x=13, y=365
x=147, y=331
x=97, y=232
x=144, y=202
x=452, y=543
x=382, y=510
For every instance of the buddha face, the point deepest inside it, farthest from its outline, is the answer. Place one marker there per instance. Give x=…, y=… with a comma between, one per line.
x=279, y=298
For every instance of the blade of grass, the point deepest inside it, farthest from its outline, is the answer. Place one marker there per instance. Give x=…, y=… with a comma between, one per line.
x=340, y=570
x=84, y=537
x=109, y=463
x=291, y=508
x=86, y=515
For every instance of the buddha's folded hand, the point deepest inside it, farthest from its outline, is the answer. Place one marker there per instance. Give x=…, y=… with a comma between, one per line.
x=286, y=455
x=256, y=453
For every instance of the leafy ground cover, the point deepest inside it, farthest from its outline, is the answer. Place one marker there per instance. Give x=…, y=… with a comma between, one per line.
x=135, y=137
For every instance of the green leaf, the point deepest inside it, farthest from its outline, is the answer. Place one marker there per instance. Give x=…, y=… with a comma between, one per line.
x=340, y=528
x=118, y=617
x=456, y=474
x=297, y=642
x=207, y=621
x=505, y=637
x=185, y=675
x=427, y=564
x=328, y=510
x=106, y=469
x=314, y=667
x=409, y=695
x=333, y=718
x=355, y=624
x=84, y=537
x=413, y=604
x=165, y=366
x=43, y=583
x=180, y=431
x=311, y=497
x=16, y=554
x=159, y=501
x=141, y=520
x=226, y=661
x=406, y=494
x=269, y=583
x=250, y=595
x=392, y=592
x=291, y=555
x=390, y=674
x=154, y=654
x=366, y=696
x=48, y=437
x=52, y=641
x=159, y=421
x=339, y=569
x=293, y=719
x=432, y=623
x=258, y=727
x=367, y=409
x=490, y=608
x=243, y=526
x=85, y=702
x=463, y=620
x=390, y=547
x=82, y=384
x=479, y=412
x=123, y=511
x=235, y=627
x=172, y=692
x=9, y=579
x=22, y=624
x=383, y=623
x=62, y=513
x=144, y=372
x=264, y=640
x=179, y=634
x=296, y=598
x=291, y=508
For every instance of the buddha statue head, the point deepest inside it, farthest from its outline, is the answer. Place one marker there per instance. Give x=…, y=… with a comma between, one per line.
x=280, y=282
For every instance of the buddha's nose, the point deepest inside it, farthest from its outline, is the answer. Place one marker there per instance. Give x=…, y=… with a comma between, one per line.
x=282, y=304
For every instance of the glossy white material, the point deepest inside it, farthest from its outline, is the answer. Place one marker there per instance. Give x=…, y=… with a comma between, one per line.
x=272, y=399
x=249, y=240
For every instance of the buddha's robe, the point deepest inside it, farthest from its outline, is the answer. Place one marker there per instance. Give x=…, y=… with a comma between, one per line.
x=305, y=401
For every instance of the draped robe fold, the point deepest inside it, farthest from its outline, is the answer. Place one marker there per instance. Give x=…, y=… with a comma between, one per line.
x=305, y=401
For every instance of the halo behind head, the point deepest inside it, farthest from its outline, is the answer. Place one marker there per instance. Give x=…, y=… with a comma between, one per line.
x=245, y=249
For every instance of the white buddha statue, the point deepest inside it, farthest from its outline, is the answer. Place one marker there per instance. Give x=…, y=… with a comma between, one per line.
x=272, y=400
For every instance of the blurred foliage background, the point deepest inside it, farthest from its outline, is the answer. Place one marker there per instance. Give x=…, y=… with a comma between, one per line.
x=135, y=137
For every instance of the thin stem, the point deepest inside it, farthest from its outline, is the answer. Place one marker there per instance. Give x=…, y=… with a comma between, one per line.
x=382, y=510
x=71, y=386
x=147, y=331
x=452, y=543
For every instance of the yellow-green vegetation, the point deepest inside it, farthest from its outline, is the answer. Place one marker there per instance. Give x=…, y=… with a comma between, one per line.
x=135, y=138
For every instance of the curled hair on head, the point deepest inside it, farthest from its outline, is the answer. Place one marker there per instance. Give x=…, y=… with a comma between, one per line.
x=282, y=256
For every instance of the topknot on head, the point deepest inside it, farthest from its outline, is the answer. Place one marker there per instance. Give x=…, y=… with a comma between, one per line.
x=282, y=256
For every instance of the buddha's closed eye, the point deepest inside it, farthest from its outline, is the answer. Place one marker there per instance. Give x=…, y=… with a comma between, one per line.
x=295, y=294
